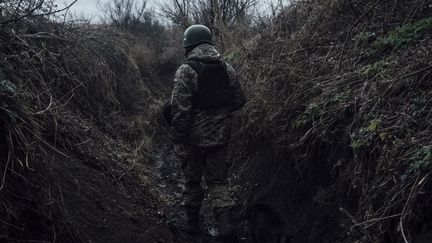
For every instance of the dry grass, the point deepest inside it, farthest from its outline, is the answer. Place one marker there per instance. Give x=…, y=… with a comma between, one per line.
x=348, y=98
x=51, y=76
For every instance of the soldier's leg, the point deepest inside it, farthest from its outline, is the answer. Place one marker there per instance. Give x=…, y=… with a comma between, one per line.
x=215, y=172
x=192, y=169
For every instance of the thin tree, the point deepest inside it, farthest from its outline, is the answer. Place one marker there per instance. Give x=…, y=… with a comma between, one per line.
x=14, y=10
x=123, y=13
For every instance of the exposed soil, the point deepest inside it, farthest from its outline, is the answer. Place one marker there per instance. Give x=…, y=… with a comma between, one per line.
x=334, y=144
x=100, y=191
x=143, y=201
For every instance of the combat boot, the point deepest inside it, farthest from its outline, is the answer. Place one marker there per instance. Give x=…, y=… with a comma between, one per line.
x=192, y=223
x=226, y=229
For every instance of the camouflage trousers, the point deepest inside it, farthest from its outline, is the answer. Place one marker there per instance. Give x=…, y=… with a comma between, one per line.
x=212, y=165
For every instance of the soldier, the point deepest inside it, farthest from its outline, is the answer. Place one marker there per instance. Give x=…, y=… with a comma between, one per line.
x=206, y=91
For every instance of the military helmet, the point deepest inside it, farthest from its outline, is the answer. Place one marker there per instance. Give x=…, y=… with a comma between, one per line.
x=197, y=34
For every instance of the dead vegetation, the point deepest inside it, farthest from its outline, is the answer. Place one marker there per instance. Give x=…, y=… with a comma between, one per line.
x=72, y=101
x=335, y=136
x=47, y=68
x=348, y=118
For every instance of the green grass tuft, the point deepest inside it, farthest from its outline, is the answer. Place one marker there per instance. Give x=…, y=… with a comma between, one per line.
x=402, y=36
x=422, y=159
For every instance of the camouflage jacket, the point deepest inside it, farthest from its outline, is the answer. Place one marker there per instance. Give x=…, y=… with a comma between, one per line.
x=204, y=128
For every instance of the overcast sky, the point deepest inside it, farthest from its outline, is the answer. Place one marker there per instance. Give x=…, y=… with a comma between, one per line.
x=89, y=8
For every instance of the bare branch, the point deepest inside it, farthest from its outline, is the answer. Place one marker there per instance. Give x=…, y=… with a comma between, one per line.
x=31, y=11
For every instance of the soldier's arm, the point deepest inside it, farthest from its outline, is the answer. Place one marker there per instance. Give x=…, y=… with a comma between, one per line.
x=181, y=102
x=239, y=96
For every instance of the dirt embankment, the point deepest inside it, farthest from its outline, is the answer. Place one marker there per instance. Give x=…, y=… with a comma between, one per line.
x=72, y=105
x=78, y=135
x=340, y=150
x=337, y=132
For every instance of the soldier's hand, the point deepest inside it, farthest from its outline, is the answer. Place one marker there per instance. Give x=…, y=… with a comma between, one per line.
x=180, y=150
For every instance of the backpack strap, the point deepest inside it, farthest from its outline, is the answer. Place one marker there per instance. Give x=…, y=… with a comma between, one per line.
x=197, y=66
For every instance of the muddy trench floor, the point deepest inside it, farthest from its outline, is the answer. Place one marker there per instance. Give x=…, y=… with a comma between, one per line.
x=168, y=180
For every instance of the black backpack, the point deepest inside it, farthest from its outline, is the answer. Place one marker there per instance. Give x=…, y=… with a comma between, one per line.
x=214, y=87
